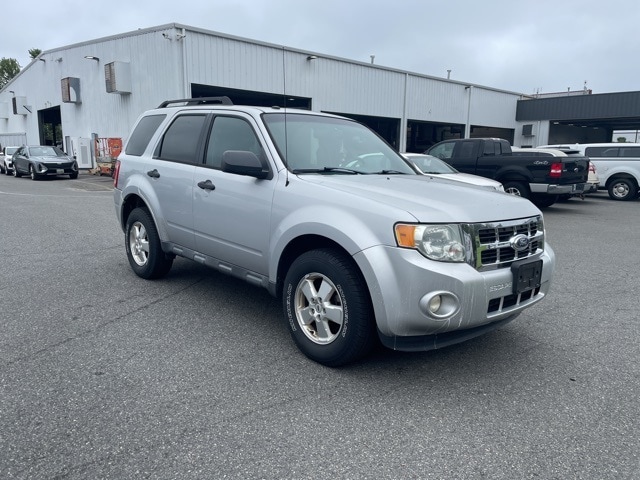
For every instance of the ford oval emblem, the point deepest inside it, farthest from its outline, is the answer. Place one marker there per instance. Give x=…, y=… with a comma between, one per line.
x=519, y=242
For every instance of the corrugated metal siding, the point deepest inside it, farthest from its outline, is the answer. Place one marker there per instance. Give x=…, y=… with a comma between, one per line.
x=490, y=108
x=164, y=66
x=334, y=85
x=436, y=101
x=607, y=105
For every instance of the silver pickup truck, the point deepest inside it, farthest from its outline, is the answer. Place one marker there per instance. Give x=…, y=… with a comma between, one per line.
x=328, y=217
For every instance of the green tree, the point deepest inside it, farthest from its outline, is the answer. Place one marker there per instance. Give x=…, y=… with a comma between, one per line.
x=34, y=52
x=9, y=68
x=622, y=139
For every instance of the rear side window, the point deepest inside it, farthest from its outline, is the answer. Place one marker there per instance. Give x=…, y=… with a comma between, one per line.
x=181, y=141
x=142, y=134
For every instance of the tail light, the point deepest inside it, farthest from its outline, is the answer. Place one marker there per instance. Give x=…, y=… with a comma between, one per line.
x=556, y=170
x=592, y=167
x=116, y=172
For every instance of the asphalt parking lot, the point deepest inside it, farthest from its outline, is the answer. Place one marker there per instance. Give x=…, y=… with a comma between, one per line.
x=104, y=375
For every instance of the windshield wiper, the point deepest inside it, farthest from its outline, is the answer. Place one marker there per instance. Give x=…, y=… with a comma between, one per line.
x=387, y=172
x=326, y=170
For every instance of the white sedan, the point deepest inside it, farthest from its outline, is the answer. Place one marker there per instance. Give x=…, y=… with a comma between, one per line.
x=430, y=165
x=6, y=166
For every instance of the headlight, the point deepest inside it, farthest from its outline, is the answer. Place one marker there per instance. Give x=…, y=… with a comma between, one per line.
x=443, y=243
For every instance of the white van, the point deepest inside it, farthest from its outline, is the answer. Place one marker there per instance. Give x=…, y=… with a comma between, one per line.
x=618, y=166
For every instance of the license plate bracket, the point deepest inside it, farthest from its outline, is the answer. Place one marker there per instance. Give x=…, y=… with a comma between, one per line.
x=526, y=276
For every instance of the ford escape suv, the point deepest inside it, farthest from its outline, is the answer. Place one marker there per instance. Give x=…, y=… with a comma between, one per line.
x=328, y=217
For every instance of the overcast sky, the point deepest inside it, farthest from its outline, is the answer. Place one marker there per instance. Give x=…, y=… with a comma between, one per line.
x=516, y=45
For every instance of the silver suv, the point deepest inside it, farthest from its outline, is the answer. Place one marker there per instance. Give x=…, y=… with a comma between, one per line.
x=327, y=216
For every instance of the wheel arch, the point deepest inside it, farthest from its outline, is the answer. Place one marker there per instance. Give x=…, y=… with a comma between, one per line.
x=300, y=245
x=621, y=175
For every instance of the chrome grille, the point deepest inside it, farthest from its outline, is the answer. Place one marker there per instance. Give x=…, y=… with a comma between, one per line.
x=494, y=242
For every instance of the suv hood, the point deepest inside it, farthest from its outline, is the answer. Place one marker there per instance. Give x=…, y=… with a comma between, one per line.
x=425, y=198
x=46, y=159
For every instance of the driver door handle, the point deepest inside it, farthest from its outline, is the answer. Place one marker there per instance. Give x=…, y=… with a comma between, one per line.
x=153, y=173
x=206, y=185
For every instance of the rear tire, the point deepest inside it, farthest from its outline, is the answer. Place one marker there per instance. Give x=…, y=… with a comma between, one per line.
x=622, y=189
x=543, y=200
x=328, y=309
x=144, y=250
x=16, y=173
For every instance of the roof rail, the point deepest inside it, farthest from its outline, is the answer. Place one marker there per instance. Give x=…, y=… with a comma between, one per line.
x=198, y=101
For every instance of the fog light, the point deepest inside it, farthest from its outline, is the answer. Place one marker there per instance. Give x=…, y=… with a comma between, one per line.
x=440, y=305
x=435, y=303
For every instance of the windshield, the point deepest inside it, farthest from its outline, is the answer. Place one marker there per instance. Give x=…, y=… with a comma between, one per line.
x=431, y=165
x=318, y=144
x=10, y=150
x=45, y=151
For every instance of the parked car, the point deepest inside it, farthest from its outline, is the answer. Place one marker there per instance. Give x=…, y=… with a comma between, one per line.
x=6, y=166
x=433, y=166
x=593, y=182
x=43, y=161
x=327, y=216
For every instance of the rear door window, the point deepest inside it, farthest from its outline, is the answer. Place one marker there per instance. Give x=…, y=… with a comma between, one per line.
x=182, y=140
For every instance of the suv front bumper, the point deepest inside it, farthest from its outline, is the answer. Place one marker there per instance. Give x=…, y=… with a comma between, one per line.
x=400, y=281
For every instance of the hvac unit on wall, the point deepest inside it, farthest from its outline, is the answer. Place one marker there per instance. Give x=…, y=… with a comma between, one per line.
x=529, y=130
x=117, y=76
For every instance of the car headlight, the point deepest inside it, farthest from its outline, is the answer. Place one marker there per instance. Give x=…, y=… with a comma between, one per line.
x=443, y=243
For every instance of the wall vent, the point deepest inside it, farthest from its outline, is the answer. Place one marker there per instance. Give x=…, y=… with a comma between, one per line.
x=117, y=76
x=20, y=106
x=529, y=130
x=70, y=87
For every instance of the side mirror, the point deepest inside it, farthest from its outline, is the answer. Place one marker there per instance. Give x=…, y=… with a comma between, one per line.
x=247, y=163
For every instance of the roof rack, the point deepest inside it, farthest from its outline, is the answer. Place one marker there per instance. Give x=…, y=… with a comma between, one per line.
x=198, y=101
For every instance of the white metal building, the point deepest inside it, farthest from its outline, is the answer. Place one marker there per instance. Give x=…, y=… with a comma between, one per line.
x=80, y=94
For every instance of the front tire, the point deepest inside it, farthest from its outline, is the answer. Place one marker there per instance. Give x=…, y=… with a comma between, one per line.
x=33, y=174
x=327, y=308
x=16, y=173
x=622, y=189
x=144, y=250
